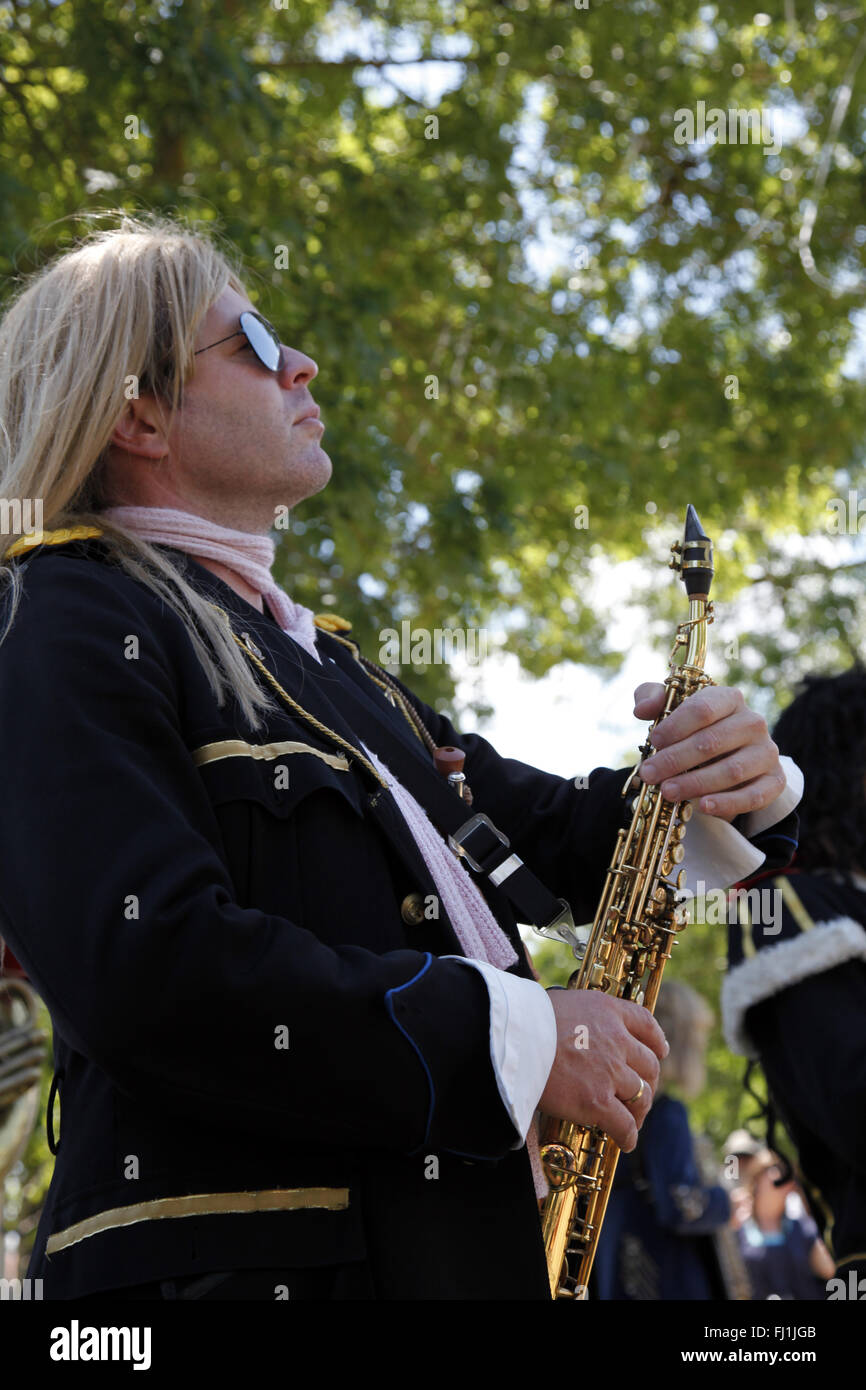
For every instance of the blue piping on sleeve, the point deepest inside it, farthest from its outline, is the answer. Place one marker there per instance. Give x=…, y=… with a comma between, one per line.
x=476, y=1158
x=390, y=1007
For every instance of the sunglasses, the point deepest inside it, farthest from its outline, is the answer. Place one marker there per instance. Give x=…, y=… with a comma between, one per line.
x=262, y=337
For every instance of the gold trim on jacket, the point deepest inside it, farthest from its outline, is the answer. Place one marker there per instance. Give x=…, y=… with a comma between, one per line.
x=237, y=748
x=201, y=1204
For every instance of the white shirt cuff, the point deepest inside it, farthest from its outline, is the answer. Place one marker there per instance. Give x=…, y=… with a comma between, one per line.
x=522, y=1040
x=717, y=855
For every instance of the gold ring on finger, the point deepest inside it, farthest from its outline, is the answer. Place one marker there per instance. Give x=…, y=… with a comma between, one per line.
x=637, y=1095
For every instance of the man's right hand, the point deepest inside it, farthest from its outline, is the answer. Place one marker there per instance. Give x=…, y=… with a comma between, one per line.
x=605, y=1047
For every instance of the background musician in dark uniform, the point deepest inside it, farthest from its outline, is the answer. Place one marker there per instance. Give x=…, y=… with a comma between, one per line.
x=298, y=1046
x=657, y=1241
x=795, y=997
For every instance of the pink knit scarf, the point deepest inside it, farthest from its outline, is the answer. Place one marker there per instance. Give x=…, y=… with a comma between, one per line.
x=252, y=557
x=248, y=554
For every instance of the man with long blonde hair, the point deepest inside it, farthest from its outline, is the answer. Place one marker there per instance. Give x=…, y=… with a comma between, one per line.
x=297, y=1043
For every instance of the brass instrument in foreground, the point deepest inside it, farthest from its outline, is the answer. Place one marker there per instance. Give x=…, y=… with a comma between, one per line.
x=625, y=951
x=22, y=1051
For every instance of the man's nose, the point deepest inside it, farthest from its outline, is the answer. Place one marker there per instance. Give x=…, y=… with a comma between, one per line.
x=297, y=369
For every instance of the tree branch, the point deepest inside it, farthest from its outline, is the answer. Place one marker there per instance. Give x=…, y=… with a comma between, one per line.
x=805, y=567
x=356, y=62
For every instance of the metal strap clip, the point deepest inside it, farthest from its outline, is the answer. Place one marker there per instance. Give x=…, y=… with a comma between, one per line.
x=484, y=844
x=484, y=847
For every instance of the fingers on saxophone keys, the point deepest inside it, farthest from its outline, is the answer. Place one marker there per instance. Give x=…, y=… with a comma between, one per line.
x=631, y=1104
x=698, y=713
x=683, y=783
x=636, y=1093
x=622, y=1126
x=645, y=1063
x=641, y=1025
x=750, y=796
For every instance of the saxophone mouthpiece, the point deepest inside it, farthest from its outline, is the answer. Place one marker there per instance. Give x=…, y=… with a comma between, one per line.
x=695, y=553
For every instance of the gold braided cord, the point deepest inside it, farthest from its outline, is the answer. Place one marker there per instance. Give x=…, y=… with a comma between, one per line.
x=293, y=704
x=384, y=682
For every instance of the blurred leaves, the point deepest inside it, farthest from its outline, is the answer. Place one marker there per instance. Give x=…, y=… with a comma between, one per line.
x=26, y=1185
x=602, y=380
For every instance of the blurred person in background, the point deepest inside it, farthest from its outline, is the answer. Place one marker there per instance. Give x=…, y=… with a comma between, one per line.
x=744, y=1150
x=656, y=1242
x=783, y=1253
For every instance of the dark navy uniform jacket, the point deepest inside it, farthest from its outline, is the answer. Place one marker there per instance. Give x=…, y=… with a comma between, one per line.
x=795, y=999
x=184, y=915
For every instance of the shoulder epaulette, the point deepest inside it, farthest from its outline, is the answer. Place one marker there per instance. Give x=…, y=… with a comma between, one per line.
x=59, y=537
x=332, y=622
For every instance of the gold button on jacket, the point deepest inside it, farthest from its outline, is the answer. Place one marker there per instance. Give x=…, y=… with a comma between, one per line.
x=412, y=909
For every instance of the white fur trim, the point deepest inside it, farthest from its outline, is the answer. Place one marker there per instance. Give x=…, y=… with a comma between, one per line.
x=785, y=963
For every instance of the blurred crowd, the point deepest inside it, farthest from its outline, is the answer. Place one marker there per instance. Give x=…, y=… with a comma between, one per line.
x=679, y=1226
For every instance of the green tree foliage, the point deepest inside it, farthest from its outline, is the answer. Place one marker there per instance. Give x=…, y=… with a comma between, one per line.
x=673, y=338
x=26, y=1185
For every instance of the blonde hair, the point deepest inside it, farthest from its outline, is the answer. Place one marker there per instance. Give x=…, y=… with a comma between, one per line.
x=125, y=304
x=685, y=1019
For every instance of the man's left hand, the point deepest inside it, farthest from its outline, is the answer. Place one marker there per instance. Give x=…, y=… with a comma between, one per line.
x=712, y=750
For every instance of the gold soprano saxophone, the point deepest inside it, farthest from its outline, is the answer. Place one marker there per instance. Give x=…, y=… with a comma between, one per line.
x=625, y=951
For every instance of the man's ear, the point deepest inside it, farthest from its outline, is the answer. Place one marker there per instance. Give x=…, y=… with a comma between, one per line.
x=141, y=430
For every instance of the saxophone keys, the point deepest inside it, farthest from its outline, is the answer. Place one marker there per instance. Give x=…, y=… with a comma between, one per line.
x=686, y=811
x=560, y=1165
x=677, y=853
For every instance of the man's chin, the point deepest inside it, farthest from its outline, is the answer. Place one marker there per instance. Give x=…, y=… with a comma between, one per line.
x=320, y=473
x=308, y=478
x=327, y=470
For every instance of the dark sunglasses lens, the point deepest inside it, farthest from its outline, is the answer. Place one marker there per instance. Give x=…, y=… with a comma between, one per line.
x=263, y=340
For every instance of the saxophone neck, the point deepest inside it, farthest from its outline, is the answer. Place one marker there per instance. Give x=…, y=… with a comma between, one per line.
x=700, y=616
